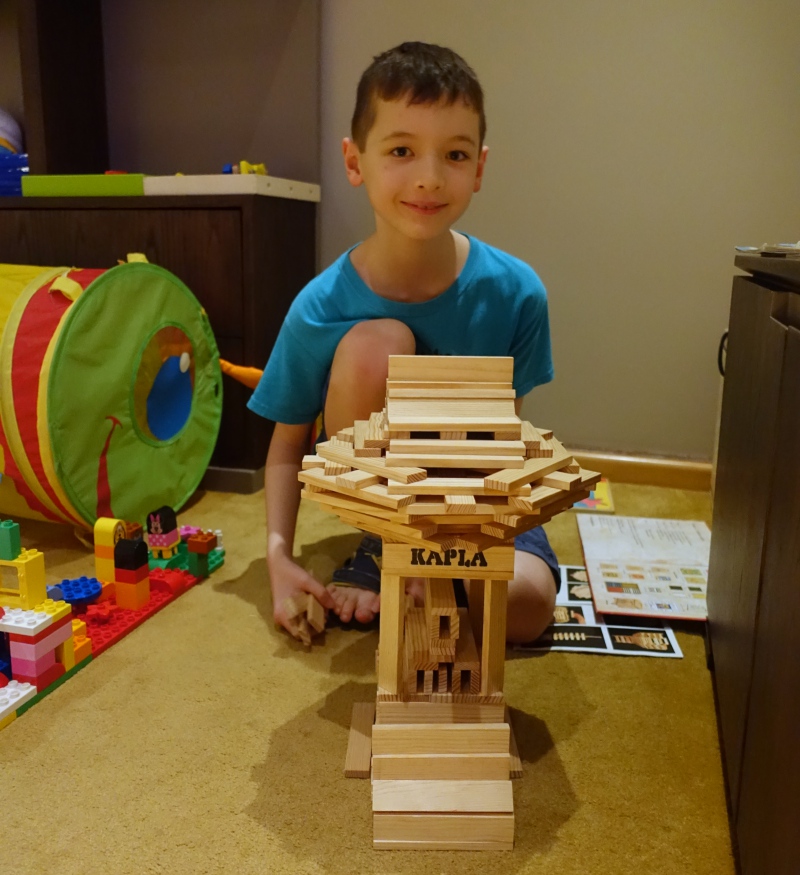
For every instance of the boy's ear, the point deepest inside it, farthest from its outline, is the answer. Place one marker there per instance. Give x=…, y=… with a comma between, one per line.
x=352, y=161
x=481, y=164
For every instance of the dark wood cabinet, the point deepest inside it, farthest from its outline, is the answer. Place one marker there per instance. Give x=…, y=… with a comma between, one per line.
x=245, y=257
x=754, y=574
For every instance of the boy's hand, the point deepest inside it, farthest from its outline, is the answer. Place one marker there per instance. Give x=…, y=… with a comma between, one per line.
x=289, y=580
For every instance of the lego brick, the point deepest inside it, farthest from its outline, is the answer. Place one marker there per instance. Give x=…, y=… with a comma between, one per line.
x=7, y=720
x=22, y=622
x=104, y=569
x=441, y=767
x=133, y=531
x=31, y=587
x=473, y=796
x=162, y=520
x=44, y=680
x=9, y=540
x=65, y=653
x=103, y=551
x=359, y=744
x=202, y=542
x=132, y=596
x=127, y=575
x=440, y=738
x=13, y=696
x=14, y=638
x=198, y=564
x=163, y=540
x=439, y=712
x=130, y=554
x=483, y=832
x=80, y=590
x=35, y=650
x=107, y=531
x=32, y=667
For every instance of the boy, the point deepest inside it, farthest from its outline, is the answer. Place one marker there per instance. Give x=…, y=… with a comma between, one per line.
x=414, y=286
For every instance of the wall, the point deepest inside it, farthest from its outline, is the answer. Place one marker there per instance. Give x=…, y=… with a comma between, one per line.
x=632, y=146
x=192, y=87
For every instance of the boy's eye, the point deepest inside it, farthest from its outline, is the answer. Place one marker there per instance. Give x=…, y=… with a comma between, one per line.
x=457, y=155
x=401, y=152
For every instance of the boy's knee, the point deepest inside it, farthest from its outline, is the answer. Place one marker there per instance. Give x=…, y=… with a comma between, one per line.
x=363, y=353
x=532, y=598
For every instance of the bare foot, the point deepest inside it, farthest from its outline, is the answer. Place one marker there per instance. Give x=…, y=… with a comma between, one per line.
x=415, y=587
x=350, y=601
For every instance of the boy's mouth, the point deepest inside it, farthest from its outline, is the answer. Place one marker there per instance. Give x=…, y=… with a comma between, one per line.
x=425, y=207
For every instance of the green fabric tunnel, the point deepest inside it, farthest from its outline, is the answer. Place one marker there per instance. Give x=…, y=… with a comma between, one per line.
x=110, y=392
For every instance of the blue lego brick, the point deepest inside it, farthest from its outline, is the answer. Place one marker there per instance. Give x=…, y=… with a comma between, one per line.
x=9, y=540
x=55, y=593
x=80, y=591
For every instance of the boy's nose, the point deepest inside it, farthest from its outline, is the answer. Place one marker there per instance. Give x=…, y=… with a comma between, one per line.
x=430, y=176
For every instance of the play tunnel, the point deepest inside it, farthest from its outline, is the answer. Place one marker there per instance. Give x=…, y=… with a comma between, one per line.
x=110, y=392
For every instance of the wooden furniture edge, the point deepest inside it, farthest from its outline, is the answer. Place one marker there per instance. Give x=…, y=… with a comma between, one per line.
x=648, y=470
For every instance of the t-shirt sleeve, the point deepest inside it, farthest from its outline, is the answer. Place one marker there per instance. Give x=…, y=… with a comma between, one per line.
x=533, y=359
x=290, y=389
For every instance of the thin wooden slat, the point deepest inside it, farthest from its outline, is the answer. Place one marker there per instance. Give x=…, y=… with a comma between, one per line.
x=459, y=486
x=313, y=461
x=377, y=466
x=446, y=384
x=486, y=797
x=417, y=651
x=457, y=447
x=359, y=744
x=357, y=479
x=434, y=461
x=442, y=767
x=440, y=712
x=376, y=494
x=449, y=392
x=467, y=658
x=377, y=435
x=440, y=738
x=515, y=760
x=533, y=469
x=443, y=831
x=493, y=643
x=562, y=480
x=424, y=368
x=332, y=500
x=390, y=641
x=441, y=612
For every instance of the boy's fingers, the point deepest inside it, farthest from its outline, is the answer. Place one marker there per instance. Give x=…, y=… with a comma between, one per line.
x=321, y=594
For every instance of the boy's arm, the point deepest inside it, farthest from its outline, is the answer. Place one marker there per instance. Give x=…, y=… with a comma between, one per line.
x=284, y=460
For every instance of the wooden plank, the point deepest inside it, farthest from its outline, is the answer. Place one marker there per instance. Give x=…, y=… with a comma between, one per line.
x=473, y=796
x=442, y=767
x=440, y=712
x=315, y=613
x=533, y=469
x=467, y=658
x=424, y=368
x=460, y=504
x=390, y=642
x=493, y=644
x=332, y=500
x=458, y=447
x=540, y=495
x=417, y=651
x=442, y=831
x=376, y=494
x=465, y=738
x=333, y=469
x=357, y=479
x=449, y=392
x=359, y=744
x=433, y=461
x=445, y=384
x=360, y=435
x=562, y=480
x=443, y=416
x=377, y=466
x=460, y=486
x=411, y=561
x=515, y=760
x=312, y=462
x=377, y=433
x=441, y=611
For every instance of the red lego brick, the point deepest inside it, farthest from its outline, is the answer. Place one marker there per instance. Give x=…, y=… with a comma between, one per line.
x=125, y=575
x=39, y=636
x=205, y=542
x=174, y=580
x=43, y=680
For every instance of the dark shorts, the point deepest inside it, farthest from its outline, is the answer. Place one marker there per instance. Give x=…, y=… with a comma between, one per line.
x=535, y=541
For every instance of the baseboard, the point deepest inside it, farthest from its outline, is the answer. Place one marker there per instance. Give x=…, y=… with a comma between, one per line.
x=244, y=481
x=648, y=470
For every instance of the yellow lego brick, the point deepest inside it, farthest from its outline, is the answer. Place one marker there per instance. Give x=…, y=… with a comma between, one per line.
x=65, y=654
x=107, y=591
x=31, y=587
x=101, y=551
x=56, y=609
x=8, y=719
x=78, y=628
x=103, y=569
x=108, y=531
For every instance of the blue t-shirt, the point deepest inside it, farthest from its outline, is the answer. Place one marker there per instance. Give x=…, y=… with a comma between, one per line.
x=496, y=307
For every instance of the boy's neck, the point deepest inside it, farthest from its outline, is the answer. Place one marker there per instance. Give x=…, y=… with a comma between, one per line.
x=410, y=270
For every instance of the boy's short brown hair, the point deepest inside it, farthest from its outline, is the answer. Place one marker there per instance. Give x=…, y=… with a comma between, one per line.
x=426, y=73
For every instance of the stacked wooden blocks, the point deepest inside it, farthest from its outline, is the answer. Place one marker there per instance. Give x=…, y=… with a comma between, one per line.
x=447, y=474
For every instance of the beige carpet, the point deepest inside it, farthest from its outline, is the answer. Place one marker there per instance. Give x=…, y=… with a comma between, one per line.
x=206, y=741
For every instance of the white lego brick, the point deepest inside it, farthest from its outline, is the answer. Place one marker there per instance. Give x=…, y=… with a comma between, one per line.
x=13, y=696
x=22, y=622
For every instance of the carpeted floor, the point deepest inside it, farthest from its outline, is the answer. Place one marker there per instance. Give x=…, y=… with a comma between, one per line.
x=207, y=741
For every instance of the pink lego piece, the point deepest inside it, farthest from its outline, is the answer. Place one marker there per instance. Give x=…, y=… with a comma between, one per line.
x=168, y=539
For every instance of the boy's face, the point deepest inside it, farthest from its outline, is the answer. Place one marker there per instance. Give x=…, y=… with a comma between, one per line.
x=421, y=164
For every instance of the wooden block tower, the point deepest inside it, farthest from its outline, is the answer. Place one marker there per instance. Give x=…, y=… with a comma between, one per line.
x=447, y=474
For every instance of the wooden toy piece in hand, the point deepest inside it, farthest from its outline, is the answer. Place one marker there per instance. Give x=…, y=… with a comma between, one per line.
x=306, y=617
